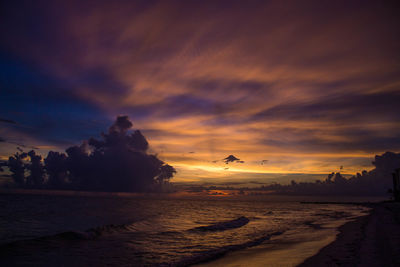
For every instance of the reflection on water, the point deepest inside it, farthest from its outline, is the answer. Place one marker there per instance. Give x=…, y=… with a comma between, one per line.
x=117, y=231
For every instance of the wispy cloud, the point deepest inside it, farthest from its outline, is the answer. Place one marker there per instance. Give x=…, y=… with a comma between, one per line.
x=286, y=82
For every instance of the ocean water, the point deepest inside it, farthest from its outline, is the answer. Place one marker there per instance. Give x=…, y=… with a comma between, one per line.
x=43, y=230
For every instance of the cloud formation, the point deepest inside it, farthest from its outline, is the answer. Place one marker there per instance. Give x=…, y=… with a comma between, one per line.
x=309, y=86
x=231, y=158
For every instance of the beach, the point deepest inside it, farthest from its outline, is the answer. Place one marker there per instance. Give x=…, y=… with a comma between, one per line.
x=369, y=240
x=372, y=240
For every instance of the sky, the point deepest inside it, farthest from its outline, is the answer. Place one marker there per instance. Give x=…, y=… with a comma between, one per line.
x=291, y=88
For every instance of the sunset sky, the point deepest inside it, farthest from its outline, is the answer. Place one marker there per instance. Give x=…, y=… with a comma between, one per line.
x=289, y=87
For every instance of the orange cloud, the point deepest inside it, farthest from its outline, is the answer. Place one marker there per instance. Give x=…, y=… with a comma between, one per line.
x=309, y=87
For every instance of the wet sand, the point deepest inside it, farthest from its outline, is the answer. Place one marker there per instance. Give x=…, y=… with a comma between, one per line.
x=372, y=240
x=289, y=249
x=290, y=253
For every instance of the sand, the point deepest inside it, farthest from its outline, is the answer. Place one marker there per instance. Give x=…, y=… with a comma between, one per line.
x=291, y=253
x=372, y=240
x=289, y=249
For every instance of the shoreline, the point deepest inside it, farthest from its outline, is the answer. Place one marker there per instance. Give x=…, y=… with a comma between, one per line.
x=367, y=235
x=292, y=250
x=371, y=240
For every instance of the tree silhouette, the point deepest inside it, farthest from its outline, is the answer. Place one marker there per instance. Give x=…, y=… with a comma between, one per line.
x=116, y=162
x=2, y=164
x=17, y=167
x=36, y=168
x=166, y=173
x=78, y=164
x=374, y=182
x=56, y=168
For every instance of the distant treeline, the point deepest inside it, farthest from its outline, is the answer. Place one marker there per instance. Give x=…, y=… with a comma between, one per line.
x=376, y=182
x=118, y=162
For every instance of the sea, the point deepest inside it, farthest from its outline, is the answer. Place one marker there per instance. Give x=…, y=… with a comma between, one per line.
x=57, y=230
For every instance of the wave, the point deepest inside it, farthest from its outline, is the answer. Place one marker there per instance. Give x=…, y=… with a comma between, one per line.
x=89, y=234
x=210, y=255
x=225, y=225
x=334, y=215
x=313, y=225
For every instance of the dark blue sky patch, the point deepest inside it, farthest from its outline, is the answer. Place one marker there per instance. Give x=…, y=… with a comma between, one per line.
x=100, y=81
x=45, y=105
